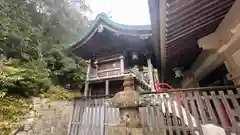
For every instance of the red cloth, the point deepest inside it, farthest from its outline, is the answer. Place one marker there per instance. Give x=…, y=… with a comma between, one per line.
x=159, y=89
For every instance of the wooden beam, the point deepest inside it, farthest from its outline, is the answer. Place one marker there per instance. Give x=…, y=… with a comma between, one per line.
x=108, y=60
x=222, y=40
x=192, y=29
x=162, y=5
x=108, y=70
x=108, y=77
x=194, y=23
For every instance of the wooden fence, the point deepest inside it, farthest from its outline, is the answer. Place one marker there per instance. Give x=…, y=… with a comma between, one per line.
x=176, y=112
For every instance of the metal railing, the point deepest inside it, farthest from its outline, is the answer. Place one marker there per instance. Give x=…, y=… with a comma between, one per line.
x=173, y=112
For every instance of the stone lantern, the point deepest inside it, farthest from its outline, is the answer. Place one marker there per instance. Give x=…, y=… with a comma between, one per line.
x=128, y=101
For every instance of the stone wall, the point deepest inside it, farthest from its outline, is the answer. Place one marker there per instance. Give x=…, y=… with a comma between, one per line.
x=48, y=118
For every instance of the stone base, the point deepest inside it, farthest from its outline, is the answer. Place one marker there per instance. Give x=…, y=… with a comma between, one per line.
x=118, y=130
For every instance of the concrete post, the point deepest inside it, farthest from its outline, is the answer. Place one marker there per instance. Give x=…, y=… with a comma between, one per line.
x=126, y=101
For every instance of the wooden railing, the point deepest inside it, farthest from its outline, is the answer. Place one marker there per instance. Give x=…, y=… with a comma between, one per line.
x=114, y=72
x=167, y=112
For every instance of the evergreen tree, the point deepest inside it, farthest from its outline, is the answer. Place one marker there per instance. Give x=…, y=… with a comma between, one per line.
x=36, y=32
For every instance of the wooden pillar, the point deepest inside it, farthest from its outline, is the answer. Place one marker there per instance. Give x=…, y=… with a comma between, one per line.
x=107, y=87
x=150, y=74
x=122, y=64
x=87, y=78
x=86, y=88
x=96, y=70
x=90, y=91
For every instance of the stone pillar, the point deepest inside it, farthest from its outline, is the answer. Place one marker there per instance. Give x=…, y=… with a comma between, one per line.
x=127, y=102
x=122, y=64
x=87, y=78
x=150, y=74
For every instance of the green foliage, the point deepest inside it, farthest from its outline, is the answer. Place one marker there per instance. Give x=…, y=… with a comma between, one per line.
x=64, y=69
x=33, y=36
x=58, y=93
x=12, y=111
x=37, y=32
x=28, y=79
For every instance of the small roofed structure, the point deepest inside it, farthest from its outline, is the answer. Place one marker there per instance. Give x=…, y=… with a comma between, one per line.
x=106, y=38
x=113, y=49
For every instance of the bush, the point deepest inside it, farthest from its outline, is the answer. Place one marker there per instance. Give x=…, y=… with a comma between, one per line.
x=58, y=93
x=26, y=80
x=12, y=111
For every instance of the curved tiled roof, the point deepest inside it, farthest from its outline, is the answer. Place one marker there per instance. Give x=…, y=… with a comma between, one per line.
x=106, y=38
x=102, y=20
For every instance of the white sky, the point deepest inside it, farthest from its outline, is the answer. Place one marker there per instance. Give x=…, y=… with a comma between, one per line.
x=131, y=12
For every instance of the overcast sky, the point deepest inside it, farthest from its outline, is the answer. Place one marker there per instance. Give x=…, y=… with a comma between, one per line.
x=131, y=12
